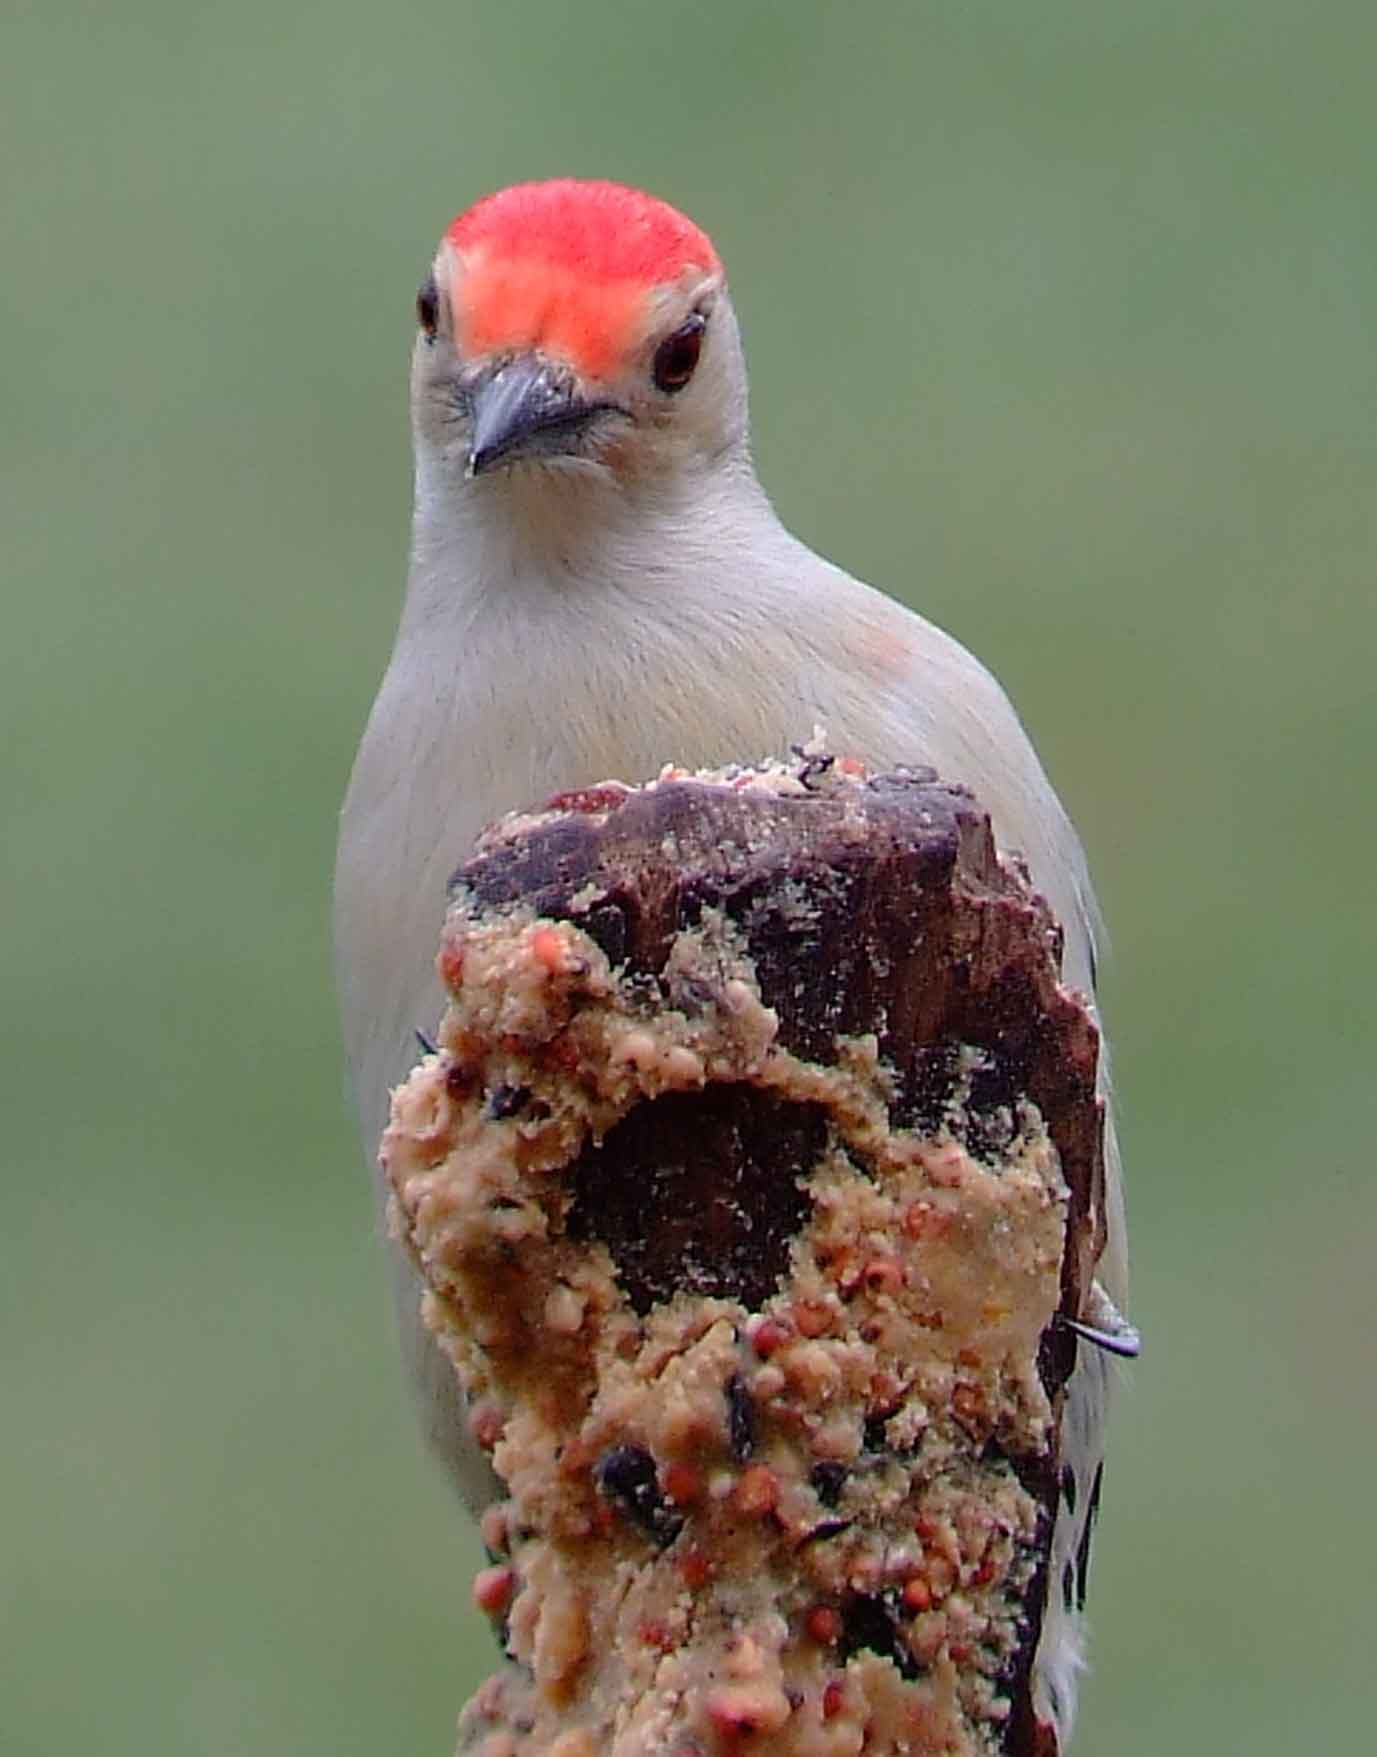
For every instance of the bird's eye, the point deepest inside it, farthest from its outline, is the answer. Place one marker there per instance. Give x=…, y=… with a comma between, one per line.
x=428, y=308
x=677, y=355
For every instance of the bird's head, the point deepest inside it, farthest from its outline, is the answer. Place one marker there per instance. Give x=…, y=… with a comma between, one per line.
x=576, y=326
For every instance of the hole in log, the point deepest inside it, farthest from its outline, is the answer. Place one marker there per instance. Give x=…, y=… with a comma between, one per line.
x=700, y=1191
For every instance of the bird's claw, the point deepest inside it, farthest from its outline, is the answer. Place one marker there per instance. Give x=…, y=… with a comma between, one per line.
x=1105, y=1326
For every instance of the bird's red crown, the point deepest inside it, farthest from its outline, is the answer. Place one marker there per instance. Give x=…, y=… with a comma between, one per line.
x=566, y=266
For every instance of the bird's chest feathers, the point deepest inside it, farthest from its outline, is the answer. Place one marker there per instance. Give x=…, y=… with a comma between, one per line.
x=536, y=699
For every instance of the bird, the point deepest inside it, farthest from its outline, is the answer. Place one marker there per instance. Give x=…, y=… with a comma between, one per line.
x=598, y=585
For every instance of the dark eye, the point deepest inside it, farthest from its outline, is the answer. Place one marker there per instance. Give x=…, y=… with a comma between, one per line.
x=677, y=355
x=428, y=308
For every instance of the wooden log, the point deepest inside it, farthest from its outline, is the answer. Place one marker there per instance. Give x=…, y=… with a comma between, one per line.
x=759, y=1157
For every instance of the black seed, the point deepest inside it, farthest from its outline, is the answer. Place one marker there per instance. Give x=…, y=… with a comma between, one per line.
x=828, y=1528
x=828, y=1481
x=1068, y=1586
x=626, y=1476
x=812, y=768
x=740, y=1418
x=873, y=1436
x=1068, y=1488
x=868, y=1622
x=506, y=1101
x=426, y=1046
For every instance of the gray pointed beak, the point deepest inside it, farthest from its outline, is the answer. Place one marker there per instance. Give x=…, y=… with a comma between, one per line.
x=528, y=407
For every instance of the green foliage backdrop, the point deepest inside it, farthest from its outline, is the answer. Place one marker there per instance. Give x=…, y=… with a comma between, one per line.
x=1061, y=320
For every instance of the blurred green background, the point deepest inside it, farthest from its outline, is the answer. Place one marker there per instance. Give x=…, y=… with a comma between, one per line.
x=1061, y=321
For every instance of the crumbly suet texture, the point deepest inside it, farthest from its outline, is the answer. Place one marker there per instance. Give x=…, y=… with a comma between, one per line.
x=779, y=1507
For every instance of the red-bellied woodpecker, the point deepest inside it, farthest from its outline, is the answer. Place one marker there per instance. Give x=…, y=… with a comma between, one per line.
x=599, y=585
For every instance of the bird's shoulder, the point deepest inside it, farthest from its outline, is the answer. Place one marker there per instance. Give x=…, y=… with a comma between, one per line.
x=915, y=693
